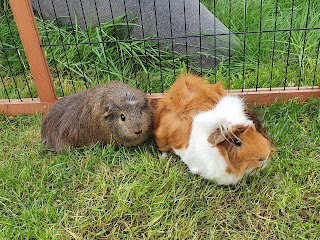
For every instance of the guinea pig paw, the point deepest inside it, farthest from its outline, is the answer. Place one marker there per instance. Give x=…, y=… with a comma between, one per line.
x=164, y=155
x=194, y=170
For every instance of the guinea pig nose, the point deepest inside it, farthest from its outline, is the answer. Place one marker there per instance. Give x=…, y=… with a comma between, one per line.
x=138, y=132
x=262, y=159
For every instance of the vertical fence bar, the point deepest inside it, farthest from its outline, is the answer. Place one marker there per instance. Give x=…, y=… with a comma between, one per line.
x=47, y=39
x=200, y=37
x=30, y=38
x=301, y=72
x=144, y=45
x=172, y=40
x=244, y=44
x=274, y=44
x=159, y=54
x=259, y=46
x=289, y=45
x=229, y=45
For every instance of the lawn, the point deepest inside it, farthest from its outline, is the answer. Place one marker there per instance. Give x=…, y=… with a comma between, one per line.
x=131, y=193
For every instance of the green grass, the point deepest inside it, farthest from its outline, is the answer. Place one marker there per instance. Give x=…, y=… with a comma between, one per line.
x=131, y=193
x=77, y=66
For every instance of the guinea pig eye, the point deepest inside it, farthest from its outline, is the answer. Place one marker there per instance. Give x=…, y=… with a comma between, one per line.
x=123, y=118
x=237, y=142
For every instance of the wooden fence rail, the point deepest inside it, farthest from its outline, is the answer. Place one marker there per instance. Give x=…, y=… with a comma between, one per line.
x=31, y=41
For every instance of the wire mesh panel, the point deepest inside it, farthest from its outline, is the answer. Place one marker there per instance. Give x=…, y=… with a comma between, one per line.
x=245, y=44
x=81, y=55
x=278, y=42
x=15, y=79
x=270, y=44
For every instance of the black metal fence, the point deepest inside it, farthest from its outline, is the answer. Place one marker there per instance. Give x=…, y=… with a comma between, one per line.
x=245, y=44
x=15, y=79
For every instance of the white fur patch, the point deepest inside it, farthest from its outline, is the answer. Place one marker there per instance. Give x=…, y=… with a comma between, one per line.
x=200, y=156
x=164, y=155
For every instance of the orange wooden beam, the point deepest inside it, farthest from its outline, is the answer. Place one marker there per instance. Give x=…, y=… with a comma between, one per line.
x=26, y=106
x=251, y=96
x=264, y=96
x=30, y=38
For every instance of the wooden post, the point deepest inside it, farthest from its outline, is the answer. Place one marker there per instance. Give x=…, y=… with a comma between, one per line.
x=30, y=38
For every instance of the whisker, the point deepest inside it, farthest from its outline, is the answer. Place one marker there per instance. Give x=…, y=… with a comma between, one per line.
x=223, y=131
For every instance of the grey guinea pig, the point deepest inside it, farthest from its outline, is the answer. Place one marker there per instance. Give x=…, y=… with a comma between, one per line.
x=113, y=112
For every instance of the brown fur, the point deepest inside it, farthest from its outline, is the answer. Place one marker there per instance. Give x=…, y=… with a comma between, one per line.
x=94, y=115
x=188, y=96
x=255, y=147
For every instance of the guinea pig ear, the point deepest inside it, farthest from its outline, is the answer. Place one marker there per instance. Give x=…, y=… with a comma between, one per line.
x=108, y=110
x=244, y=128
x=216, y=137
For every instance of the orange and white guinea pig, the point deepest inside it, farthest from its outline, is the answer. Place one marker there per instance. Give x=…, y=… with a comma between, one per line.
x=213, y=133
